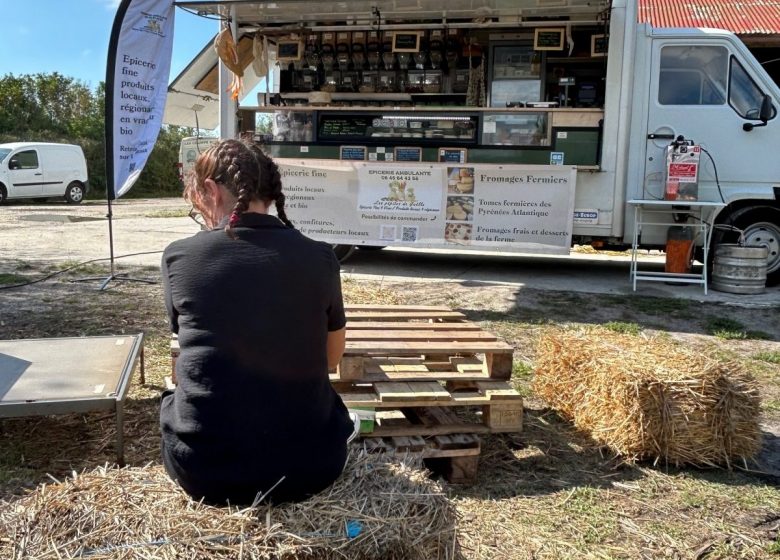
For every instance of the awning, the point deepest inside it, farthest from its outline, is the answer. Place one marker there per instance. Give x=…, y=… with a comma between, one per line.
x=254, y=12
x=196, y=89
x=744, y=17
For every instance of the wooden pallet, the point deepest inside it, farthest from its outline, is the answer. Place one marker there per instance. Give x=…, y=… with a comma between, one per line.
x=454, y=456
x=427, y=407
x=418, y=343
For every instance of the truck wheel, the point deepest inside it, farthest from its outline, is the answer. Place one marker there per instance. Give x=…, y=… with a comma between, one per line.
x=761, y=225
x=3, y=194
x=343, y=252
x=74, y=194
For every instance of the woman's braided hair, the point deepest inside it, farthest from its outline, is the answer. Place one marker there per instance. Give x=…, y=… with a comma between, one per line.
x=245, y=171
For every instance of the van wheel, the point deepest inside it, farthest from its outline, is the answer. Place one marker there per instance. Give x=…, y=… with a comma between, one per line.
x=75, y=193
x=343, y=252
x=3, y=194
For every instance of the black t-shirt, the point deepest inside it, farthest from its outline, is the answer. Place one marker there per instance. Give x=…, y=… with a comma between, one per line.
x=253, y=402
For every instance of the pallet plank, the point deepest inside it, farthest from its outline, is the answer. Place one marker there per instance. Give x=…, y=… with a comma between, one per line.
x=392, y=307
x=420, y=335
x=403, y=315
x=412, y=325
x=400, y=347
x=412, y=391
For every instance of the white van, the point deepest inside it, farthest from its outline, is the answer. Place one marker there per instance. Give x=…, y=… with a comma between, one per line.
x=42, y=170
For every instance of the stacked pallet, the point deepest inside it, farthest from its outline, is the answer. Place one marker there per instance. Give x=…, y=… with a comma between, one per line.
x=434, y=381
x=428, y=382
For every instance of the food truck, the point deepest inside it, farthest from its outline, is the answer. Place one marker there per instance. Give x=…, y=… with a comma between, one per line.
x=522, y=125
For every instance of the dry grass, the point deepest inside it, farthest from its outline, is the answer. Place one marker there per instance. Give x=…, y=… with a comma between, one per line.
x=379, y=508
x=549, y=493
x=649, y=398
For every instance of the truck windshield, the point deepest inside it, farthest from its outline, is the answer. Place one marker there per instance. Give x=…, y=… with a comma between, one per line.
x=693, y=75
x=4, y=152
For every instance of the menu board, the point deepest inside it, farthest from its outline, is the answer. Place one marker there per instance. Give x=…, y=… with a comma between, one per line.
x=353, y=153
x=548, y=39
x=452, y=155
x=289, y=50
x=598, y=45
x=406, y=41
x=408, y=154
x=335, y=127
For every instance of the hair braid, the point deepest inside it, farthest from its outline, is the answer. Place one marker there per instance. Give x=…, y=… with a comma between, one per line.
x=246, y=172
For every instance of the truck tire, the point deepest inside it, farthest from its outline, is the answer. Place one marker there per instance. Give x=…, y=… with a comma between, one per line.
x=74, y=194
x=3, y=194
x=343, y=252
x=761, y=227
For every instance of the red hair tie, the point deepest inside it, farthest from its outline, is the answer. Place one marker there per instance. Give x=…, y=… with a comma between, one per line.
x=233, y=219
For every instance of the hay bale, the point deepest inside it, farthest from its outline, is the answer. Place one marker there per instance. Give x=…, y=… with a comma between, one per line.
x=379, y=508
x=649, y=398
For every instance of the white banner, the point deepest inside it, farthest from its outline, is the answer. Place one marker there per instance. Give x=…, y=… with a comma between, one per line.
x=139, y=62
x=527, y=208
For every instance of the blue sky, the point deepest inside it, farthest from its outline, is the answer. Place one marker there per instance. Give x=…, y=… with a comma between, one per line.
x=71, y=37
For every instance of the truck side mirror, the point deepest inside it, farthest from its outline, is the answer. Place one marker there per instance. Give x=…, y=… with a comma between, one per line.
x=13, y=164
x=766, y=110
x=764, y=114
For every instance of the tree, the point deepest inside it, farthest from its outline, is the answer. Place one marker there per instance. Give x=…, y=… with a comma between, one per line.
x=57, y=108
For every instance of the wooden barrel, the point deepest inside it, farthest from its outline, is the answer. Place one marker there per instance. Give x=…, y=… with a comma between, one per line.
x=739, y=270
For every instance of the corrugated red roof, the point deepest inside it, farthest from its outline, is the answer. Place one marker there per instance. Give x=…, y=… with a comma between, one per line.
x=738, y=16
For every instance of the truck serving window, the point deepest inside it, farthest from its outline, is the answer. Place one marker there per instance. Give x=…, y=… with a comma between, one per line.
x=745, y=97
x=693, y=75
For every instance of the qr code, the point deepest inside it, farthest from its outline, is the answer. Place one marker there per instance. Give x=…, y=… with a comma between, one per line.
x=409, y=233
x=387, y=233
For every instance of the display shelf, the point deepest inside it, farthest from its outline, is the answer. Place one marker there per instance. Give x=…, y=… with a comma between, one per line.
x=661, y=213
x=578, y=59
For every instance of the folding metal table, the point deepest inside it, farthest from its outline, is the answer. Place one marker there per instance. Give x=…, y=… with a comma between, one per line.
x=41, y=377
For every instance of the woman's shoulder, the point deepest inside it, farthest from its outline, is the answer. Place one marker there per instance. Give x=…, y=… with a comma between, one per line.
x=193, y=243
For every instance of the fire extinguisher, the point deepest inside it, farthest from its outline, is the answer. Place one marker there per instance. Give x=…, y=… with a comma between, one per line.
x=682, y=170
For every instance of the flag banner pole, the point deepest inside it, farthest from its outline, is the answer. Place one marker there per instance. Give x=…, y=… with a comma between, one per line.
x=137, y=71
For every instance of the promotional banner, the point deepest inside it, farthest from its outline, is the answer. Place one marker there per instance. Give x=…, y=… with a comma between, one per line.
x=139, y=62
x=528, y=208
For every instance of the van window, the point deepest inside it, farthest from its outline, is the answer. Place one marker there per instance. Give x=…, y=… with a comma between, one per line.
x=745, y=97
x=4, y=152
x=28, y=159
x=693, y=75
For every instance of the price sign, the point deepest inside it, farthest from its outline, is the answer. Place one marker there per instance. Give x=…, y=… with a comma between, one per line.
x=353, y=153
x=408, y=154
x=453, y=155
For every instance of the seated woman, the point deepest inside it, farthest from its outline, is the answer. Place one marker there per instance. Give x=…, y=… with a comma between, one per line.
x=260, y=318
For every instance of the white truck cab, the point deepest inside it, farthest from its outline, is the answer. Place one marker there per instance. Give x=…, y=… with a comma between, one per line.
x=42, y=170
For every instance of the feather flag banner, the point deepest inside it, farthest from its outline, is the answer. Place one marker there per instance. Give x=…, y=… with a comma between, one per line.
x=139, y=62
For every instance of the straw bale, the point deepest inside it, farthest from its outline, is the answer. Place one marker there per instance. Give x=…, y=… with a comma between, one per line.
x=650, y=398
x=390, y=507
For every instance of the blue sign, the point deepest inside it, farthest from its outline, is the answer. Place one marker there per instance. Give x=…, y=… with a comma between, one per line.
x=556, y=158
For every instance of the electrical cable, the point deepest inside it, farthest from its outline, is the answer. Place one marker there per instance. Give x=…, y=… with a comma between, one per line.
x=75, y=266
x=717, y=180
